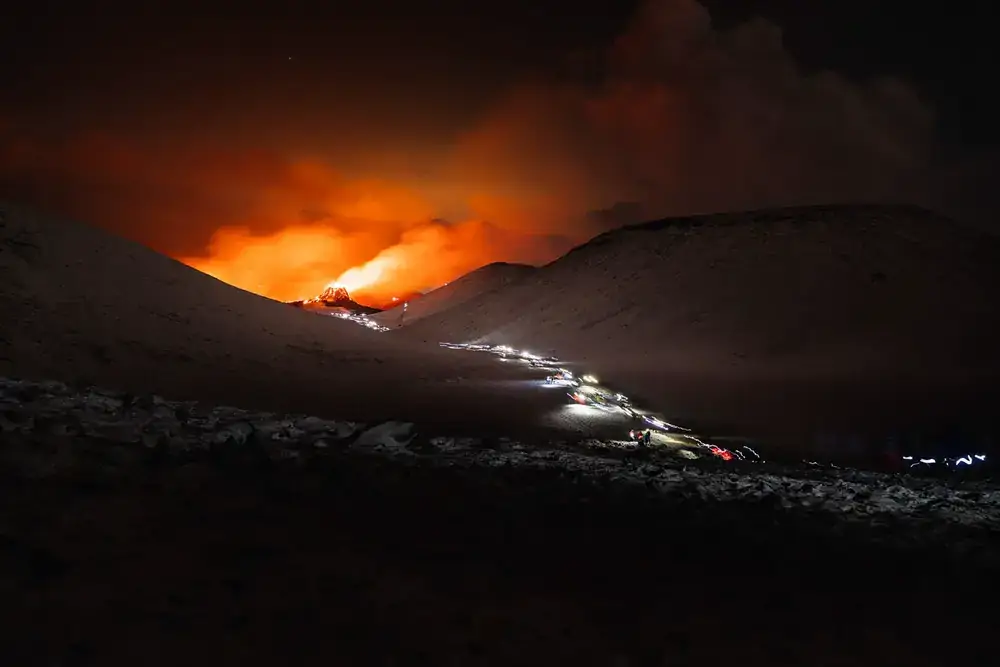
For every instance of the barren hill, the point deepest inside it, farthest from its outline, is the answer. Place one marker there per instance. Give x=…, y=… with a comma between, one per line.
x=85, y=307
x=473, y=284
x=817, y=314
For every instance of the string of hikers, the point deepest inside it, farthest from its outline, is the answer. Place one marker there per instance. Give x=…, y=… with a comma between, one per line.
x=641, y=437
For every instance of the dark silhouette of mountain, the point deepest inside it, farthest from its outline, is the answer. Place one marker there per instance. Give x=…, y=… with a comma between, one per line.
x=821, y=315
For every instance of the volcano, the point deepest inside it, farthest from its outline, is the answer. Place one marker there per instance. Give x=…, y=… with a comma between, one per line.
x=335, y=296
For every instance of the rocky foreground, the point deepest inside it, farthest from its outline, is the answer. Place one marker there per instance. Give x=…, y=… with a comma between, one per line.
x=133, y=522
x=128, y=428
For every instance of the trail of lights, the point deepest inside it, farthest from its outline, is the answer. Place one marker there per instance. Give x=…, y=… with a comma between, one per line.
x=966, y=460
x=363, y=320
x=587, y=391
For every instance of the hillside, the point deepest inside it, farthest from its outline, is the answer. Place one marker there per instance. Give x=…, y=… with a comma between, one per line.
x=825, y=315
x=85, y=307
x=473, y=284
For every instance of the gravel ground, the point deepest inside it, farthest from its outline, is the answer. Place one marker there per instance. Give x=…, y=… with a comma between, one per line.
x=135, y=529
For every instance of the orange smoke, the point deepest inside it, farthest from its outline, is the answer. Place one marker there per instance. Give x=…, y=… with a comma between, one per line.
x=299, y=261
x=283, y=228
x=289, y=264
x=431, y=254
x=682, y=118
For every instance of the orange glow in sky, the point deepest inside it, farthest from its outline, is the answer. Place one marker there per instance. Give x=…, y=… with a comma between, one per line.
x=685, y=119
x=402, y=250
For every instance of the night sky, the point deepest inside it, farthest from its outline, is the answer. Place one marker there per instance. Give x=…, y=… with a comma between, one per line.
x=281, y=145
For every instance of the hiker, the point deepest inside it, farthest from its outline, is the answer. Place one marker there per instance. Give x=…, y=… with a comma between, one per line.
x=647, y=437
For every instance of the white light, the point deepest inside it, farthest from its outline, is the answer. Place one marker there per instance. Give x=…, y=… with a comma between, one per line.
x=656, y=422
x=566, y=377
x=967, y=460
x=981, y=457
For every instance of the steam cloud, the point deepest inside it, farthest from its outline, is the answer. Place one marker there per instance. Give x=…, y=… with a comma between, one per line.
x=682, y=119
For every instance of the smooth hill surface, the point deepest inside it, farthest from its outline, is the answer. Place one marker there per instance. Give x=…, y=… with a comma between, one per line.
x=778, y=321
x=473, y=284
x=81, y=306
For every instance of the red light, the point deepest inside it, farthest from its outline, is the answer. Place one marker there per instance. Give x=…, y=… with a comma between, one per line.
x=723, y=454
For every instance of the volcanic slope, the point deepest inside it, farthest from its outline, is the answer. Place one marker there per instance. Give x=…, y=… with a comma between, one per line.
x=769, y=320
x=84, y=307
x=473, y=284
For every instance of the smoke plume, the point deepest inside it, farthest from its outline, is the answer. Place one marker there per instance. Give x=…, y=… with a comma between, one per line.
x=688, y=119
x=678, y=118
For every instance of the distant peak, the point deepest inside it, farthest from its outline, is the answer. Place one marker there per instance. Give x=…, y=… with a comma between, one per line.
x=335, y=294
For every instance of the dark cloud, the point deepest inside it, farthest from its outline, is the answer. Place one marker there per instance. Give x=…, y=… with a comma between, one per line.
x=687, y=118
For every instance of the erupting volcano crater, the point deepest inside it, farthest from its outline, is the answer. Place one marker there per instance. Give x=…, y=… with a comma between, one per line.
x=335, y=296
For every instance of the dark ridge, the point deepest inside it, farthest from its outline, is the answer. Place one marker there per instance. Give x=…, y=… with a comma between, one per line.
x=799, y=215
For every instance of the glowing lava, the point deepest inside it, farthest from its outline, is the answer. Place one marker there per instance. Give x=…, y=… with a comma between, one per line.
x=363, y=278
x=372, y=266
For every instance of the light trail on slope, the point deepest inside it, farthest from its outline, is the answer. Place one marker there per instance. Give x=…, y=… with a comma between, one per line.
x=589, y=393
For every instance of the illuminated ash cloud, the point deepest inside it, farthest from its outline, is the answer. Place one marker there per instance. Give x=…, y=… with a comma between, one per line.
x=679, y=118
